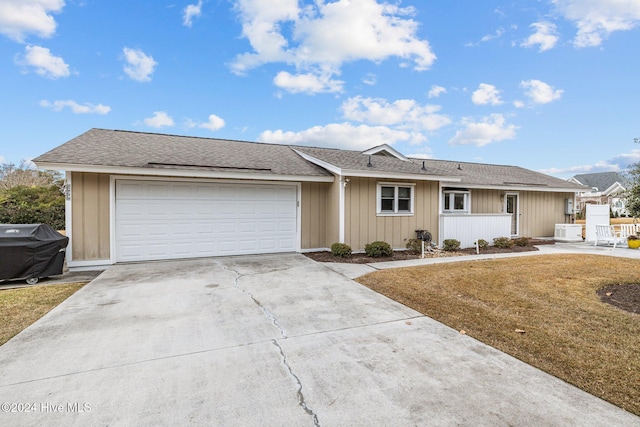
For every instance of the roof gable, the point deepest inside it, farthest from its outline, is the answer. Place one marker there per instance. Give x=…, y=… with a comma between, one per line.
x=385, y=150
x=602, y=181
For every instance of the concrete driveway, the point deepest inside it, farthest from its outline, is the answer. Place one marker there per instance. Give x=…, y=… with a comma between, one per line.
x=266, y=341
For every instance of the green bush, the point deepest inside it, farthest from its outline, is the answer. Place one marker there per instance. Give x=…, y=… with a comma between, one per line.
x=32, y=205
x=378, y=249
x=483, y=244
x=341, y=250
x=414, y=246
x=503, y=242
x=450, y=245
x=522, y=241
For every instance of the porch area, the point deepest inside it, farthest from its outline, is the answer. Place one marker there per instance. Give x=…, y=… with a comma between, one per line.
x=468, y=228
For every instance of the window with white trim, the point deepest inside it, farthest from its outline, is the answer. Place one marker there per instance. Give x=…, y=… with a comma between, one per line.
x=455, y=201
x=395, y=199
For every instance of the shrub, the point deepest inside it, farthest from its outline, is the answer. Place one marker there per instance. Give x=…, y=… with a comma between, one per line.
x=378, y=249
x=483, y=244
x=450, y=245
x=341, y=250
x=522, y=241
x=503, y=242
x=414, y=246
x=32, y=205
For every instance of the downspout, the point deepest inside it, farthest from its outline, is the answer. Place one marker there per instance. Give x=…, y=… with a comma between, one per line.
x=341, y=208
x=68, y=215
x=440, y=214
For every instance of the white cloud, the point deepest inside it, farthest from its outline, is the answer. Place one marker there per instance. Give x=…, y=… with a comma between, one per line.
x=76, y=108
x=493, y=128
x=597, y=19
x=342, y=135
x=324, y=35
x=540, y=92
x=45, y=64
x=436, y=91
x=139, y=66
x=190, y=12
x=21, y=17
x=159, y=119
x=499, y=33
x=370, y=79
x=405, y=114
x=486, y=94
x=545, y=36
x=307, y=83
x=215, y=123
x=519, y=104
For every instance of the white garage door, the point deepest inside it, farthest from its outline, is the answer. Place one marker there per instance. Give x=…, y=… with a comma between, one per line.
x=166, y=220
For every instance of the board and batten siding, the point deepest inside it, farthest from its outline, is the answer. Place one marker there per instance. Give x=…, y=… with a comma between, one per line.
x=90, y=216
x=539, y=210
x=363, y=225
x=314, y=215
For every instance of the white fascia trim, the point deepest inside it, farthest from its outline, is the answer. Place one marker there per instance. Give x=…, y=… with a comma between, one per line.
x=388, y=149
x=616, y=187
x=401, y=176
x=184, y=173
x=519, y=188
x=328, y=166
x=375, y=174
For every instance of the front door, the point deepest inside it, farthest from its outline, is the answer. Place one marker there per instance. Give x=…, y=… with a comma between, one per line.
x=512, y=206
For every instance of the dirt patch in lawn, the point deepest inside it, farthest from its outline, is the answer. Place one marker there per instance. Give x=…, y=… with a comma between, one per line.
x=544, y=310
x=623, y=296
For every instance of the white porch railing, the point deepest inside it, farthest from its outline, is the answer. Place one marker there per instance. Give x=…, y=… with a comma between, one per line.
x=467, y=228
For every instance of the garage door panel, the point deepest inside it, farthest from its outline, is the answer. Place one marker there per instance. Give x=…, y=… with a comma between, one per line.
x=164, y=220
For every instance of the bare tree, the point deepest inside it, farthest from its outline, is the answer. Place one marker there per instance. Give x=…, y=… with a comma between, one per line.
x=26, y=175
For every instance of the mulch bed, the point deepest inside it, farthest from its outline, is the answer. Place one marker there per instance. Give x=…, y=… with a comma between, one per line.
x=623, y=296
x=361, y=258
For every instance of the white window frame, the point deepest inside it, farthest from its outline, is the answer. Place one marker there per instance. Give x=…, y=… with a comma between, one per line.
x=450, y=193
x=395, y=211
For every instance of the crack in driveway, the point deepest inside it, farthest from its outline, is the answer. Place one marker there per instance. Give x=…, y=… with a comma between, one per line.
x=301, y=401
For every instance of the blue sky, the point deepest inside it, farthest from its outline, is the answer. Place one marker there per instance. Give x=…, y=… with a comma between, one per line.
x=550, y=85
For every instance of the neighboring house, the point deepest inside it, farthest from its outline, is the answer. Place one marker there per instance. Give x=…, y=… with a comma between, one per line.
x=139, y=196
x=605, y=188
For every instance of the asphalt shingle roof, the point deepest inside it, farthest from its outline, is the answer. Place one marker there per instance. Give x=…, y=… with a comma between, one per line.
x=101, y=147
x=601, y=180
x=471, y=174
x=114, y=148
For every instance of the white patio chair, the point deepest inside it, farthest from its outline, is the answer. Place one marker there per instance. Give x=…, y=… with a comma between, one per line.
x=607, y=234
x=627, y=230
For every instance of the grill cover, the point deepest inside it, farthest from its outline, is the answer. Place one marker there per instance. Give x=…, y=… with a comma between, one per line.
x=30, y=250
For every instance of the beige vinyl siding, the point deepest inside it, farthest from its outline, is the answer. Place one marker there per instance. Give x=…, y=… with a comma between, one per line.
x=539, y=211
x=90, y=216
x=487, y=201
x=333, y=212
x=314, y=215
x=363, y=225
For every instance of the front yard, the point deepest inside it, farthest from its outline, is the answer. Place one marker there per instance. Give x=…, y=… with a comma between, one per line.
x=544, y=310
x=19, y=308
